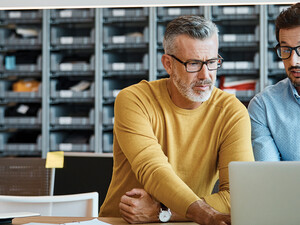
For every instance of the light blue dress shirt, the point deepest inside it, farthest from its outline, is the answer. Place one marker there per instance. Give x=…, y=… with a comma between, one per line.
x=275, y=123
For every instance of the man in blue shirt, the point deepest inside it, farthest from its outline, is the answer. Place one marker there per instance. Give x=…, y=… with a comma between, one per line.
x=275, y=112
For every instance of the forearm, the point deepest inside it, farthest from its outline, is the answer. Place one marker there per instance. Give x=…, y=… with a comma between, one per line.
x=200, y=212
x=177, y=217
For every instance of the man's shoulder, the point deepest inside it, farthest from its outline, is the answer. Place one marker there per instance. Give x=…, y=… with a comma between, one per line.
x=273, y=92
x=226, y=101
x=143, y=89
x=276, y=88
x=222, y=98
x=145, y=85
x=271, y=96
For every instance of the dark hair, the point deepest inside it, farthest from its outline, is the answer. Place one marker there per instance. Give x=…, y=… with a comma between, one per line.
x=194, y=26
x=289, y=18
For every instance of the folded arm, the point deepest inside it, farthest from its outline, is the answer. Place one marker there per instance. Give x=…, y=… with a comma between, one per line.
x=148, y=161
x=137, y=206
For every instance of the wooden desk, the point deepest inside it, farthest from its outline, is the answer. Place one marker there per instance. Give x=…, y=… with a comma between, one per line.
x=61, y=220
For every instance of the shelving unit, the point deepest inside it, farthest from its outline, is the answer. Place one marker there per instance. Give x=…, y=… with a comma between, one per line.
x=20, y=79
x=239, y=46
x=79, y=59
x=72, y=80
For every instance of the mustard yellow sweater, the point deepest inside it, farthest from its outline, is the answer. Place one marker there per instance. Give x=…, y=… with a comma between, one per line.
x=175, y=154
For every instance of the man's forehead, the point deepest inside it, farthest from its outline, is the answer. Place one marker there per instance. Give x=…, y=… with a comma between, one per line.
x=290, y=32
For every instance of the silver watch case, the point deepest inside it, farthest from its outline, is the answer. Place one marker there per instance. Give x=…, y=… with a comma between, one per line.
x=164, y=215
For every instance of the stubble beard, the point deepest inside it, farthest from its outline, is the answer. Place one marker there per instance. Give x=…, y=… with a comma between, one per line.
x=188, y=91
x=295, y=81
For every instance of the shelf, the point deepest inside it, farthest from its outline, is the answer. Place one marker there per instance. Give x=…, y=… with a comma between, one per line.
x=112, y=48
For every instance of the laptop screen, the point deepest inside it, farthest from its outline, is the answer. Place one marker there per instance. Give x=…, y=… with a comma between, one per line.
x=264, y=193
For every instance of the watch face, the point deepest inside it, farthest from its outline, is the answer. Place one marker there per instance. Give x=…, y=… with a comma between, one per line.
x=164, y=216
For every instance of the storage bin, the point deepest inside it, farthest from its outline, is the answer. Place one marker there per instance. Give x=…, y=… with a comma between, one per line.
x=6, y=92
x=69, y=93
x=72, y=142
x=233, y=12
x=78, y=115
x=172, y=12
x=110, y=65
x=21, y=14
x=72, y=36
x=72, y=13
x=19, y=121
x=8, y=142
x=116, y=35
x=75, y=63
x=125, y=12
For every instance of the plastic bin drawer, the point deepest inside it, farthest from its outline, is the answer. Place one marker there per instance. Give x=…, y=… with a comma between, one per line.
x=63, y=63
x=126, y=12
x=113, y=35
x=126, y=66
x=63, y=115
x=79, y=142
x=72, y=13
x=72, y=36
x=179, y=11
x=7, y=145
x=21, y=14
x=69, y=94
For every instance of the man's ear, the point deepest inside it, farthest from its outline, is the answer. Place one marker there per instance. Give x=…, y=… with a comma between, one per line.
x=166, y=60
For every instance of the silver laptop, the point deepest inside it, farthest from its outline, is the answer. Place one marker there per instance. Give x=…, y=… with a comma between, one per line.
x=265, y=193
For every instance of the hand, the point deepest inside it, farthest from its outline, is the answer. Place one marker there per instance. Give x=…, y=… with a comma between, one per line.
x=137, y=206
x=202, y=213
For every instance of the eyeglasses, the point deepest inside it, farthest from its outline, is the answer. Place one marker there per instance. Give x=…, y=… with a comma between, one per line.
x=285, y=52
x=192, y=66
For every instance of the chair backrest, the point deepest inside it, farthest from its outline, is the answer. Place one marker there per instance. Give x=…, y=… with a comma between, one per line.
x=76, y=205
x=25, y=177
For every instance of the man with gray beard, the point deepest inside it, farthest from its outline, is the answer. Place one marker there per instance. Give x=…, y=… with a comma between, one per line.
x=174, y=137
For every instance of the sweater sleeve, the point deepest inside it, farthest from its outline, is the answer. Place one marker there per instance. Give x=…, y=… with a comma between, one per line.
x=148, y=162
x=235, y=146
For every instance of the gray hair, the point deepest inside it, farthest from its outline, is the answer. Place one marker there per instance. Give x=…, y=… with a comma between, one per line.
x=196, y=27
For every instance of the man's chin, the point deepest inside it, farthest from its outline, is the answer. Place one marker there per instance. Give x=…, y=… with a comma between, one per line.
x=295, y=81
x=202, y=97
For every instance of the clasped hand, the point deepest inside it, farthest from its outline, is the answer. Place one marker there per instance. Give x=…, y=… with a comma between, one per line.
x=137, y=206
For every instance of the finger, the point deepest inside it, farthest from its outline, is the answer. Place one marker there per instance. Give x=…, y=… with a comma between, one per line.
x=125, y=208
x=227, y=219
x=127, y=200
x=135, y=192
x=127, y=216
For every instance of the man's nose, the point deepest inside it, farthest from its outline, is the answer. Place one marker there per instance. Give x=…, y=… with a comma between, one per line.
x=203, y=73
x=294, y=59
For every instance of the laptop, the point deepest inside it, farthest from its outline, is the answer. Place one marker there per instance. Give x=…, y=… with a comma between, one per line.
x=265, y=193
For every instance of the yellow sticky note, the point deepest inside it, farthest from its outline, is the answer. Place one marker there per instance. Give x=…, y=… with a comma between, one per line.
x=55, y=159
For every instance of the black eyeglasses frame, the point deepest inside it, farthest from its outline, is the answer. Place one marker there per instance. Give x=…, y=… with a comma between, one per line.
x=277, y=49
x=199, y=61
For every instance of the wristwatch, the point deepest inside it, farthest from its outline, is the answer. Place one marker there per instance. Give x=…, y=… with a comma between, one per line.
x=164, y=214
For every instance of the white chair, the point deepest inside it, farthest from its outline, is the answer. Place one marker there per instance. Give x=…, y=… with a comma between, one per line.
x=76, y=205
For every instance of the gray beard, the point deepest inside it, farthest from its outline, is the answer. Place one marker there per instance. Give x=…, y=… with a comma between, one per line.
x=188, y=92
